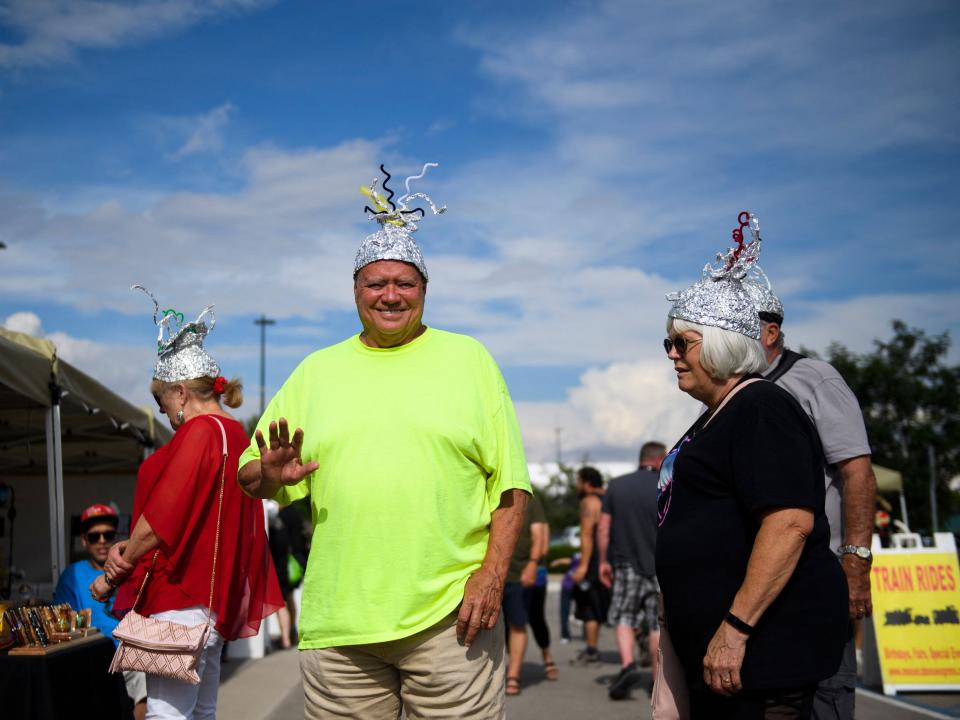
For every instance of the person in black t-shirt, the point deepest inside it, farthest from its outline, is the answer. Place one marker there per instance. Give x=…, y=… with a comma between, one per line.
x=755, y=601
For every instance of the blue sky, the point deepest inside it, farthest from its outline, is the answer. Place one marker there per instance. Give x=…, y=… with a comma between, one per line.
x=592, y=156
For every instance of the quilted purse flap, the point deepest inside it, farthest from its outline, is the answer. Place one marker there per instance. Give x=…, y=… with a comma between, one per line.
x=161, y=635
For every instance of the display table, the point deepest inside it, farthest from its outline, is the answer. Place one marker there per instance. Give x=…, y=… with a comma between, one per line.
x=72, y=682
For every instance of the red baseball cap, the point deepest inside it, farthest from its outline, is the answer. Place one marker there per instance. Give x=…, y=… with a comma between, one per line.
x=97, y=512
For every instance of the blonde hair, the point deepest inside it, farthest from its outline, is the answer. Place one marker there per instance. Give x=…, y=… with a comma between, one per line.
x=203, y=388
x=724, y=352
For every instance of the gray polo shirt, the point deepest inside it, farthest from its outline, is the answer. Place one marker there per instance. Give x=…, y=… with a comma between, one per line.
x=631, y=503
x=834, y=410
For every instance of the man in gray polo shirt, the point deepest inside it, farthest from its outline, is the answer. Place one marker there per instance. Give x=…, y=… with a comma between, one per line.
x=627, y=544
x=850, y=482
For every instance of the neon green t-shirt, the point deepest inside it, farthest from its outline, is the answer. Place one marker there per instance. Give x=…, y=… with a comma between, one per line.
x=415, y=446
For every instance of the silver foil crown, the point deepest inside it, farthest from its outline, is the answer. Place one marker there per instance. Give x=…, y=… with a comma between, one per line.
x=394, y=239
x=757, y=285
x=719, y=298
x=180, y=345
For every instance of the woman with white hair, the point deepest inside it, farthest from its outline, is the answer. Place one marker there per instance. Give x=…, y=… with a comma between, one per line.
x=754, y=600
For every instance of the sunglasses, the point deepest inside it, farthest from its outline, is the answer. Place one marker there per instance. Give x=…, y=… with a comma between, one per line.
x=95, y=537
x=680, y=343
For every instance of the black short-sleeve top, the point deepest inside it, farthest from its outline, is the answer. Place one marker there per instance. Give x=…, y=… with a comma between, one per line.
x=759, y=452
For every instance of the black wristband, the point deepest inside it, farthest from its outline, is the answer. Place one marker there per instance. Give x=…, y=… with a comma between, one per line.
x=738, y=624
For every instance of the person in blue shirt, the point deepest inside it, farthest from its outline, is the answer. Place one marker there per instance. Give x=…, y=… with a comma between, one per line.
x=98, y=524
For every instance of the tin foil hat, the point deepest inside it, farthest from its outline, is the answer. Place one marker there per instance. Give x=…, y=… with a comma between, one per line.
x=719, y=298
x=180, y=345
x=394, y=240
x=766, y=302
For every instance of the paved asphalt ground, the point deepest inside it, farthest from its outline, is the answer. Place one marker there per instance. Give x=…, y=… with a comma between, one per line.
x=269, y=689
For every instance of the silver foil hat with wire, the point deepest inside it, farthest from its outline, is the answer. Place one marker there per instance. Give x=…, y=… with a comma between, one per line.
x=180, y=345
x=394, y=240
x=719, y=298
x=766, y=302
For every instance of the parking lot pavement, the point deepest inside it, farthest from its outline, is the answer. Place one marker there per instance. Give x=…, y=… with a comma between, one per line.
x=269, y=689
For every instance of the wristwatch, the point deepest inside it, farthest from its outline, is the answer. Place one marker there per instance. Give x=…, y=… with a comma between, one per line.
x=859, y=550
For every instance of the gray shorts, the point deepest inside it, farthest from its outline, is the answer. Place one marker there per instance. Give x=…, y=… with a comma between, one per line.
x=635, y=598
x=836, y=696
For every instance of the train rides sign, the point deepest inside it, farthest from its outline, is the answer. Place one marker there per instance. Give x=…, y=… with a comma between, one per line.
x=916, y=616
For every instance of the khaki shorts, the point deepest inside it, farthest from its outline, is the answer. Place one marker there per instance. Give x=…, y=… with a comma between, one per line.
x=431, y=674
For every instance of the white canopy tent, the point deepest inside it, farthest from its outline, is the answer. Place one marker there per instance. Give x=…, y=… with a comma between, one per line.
x=59, y=423
x=889, y=481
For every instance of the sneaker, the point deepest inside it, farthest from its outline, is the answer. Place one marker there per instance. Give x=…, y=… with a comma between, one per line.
x=564, y=641
x=620, y=687
x=585, y=658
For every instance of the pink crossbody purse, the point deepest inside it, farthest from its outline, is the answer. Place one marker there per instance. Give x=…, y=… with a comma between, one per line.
x=162, y=647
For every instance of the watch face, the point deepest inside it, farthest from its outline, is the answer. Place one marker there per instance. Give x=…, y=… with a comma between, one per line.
x=863, y=552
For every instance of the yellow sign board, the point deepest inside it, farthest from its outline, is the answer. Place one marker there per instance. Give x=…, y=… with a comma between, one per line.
x=916, y=615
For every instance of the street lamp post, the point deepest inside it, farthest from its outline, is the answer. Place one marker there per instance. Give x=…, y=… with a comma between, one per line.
x=263, y=321
x=932, y=463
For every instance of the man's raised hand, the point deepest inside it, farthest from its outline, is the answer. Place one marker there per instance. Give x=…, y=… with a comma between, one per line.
x=281, y=462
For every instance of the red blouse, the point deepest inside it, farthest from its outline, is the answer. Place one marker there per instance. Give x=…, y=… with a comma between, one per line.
x=177, y=491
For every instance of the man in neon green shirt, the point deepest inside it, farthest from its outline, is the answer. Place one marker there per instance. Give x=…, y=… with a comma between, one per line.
x=408, y=446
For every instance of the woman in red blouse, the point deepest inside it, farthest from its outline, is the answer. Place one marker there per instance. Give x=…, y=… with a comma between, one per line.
x=175, y=530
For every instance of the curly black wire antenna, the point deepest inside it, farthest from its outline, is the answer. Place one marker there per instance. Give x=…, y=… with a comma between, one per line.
x=414, y=212
x=386, y=189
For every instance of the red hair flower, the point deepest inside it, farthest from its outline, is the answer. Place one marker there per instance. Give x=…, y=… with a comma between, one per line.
x=219, y=385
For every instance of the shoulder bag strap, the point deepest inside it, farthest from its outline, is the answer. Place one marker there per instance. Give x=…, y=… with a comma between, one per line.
x=144, y=583
x=216, y=544
x=730, y=394
x=787, y=360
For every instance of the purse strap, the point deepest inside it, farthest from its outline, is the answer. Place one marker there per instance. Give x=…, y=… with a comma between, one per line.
x=216, y=544
x=729, y=396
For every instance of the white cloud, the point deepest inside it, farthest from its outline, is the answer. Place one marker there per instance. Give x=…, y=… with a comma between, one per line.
x=558, y=253
x=27, y=323
x=542, y=289
x=284, y=231
x=205, y=132
x=857, y=322
x=751, y=75
x=53, y=30
x=609, y=414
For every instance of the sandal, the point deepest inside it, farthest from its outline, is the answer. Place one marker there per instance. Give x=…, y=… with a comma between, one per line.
x=513, y=686
x=550, y=670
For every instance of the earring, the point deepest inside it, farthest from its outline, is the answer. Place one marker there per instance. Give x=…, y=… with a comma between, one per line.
x=180, y=416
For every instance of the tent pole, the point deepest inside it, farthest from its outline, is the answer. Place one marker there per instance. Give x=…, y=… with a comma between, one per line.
x=55, y=486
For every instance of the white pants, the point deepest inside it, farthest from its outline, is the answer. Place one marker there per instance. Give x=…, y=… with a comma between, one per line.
x=175, y=700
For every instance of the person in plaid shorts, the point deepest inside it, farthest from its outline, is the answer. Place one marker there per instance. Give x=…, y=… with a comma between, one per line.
x=626, y=543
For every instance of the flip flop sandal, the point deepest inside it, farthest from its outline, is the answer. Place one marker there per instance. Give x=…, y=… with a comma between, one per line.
x=551, y=671
x=513, y=686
